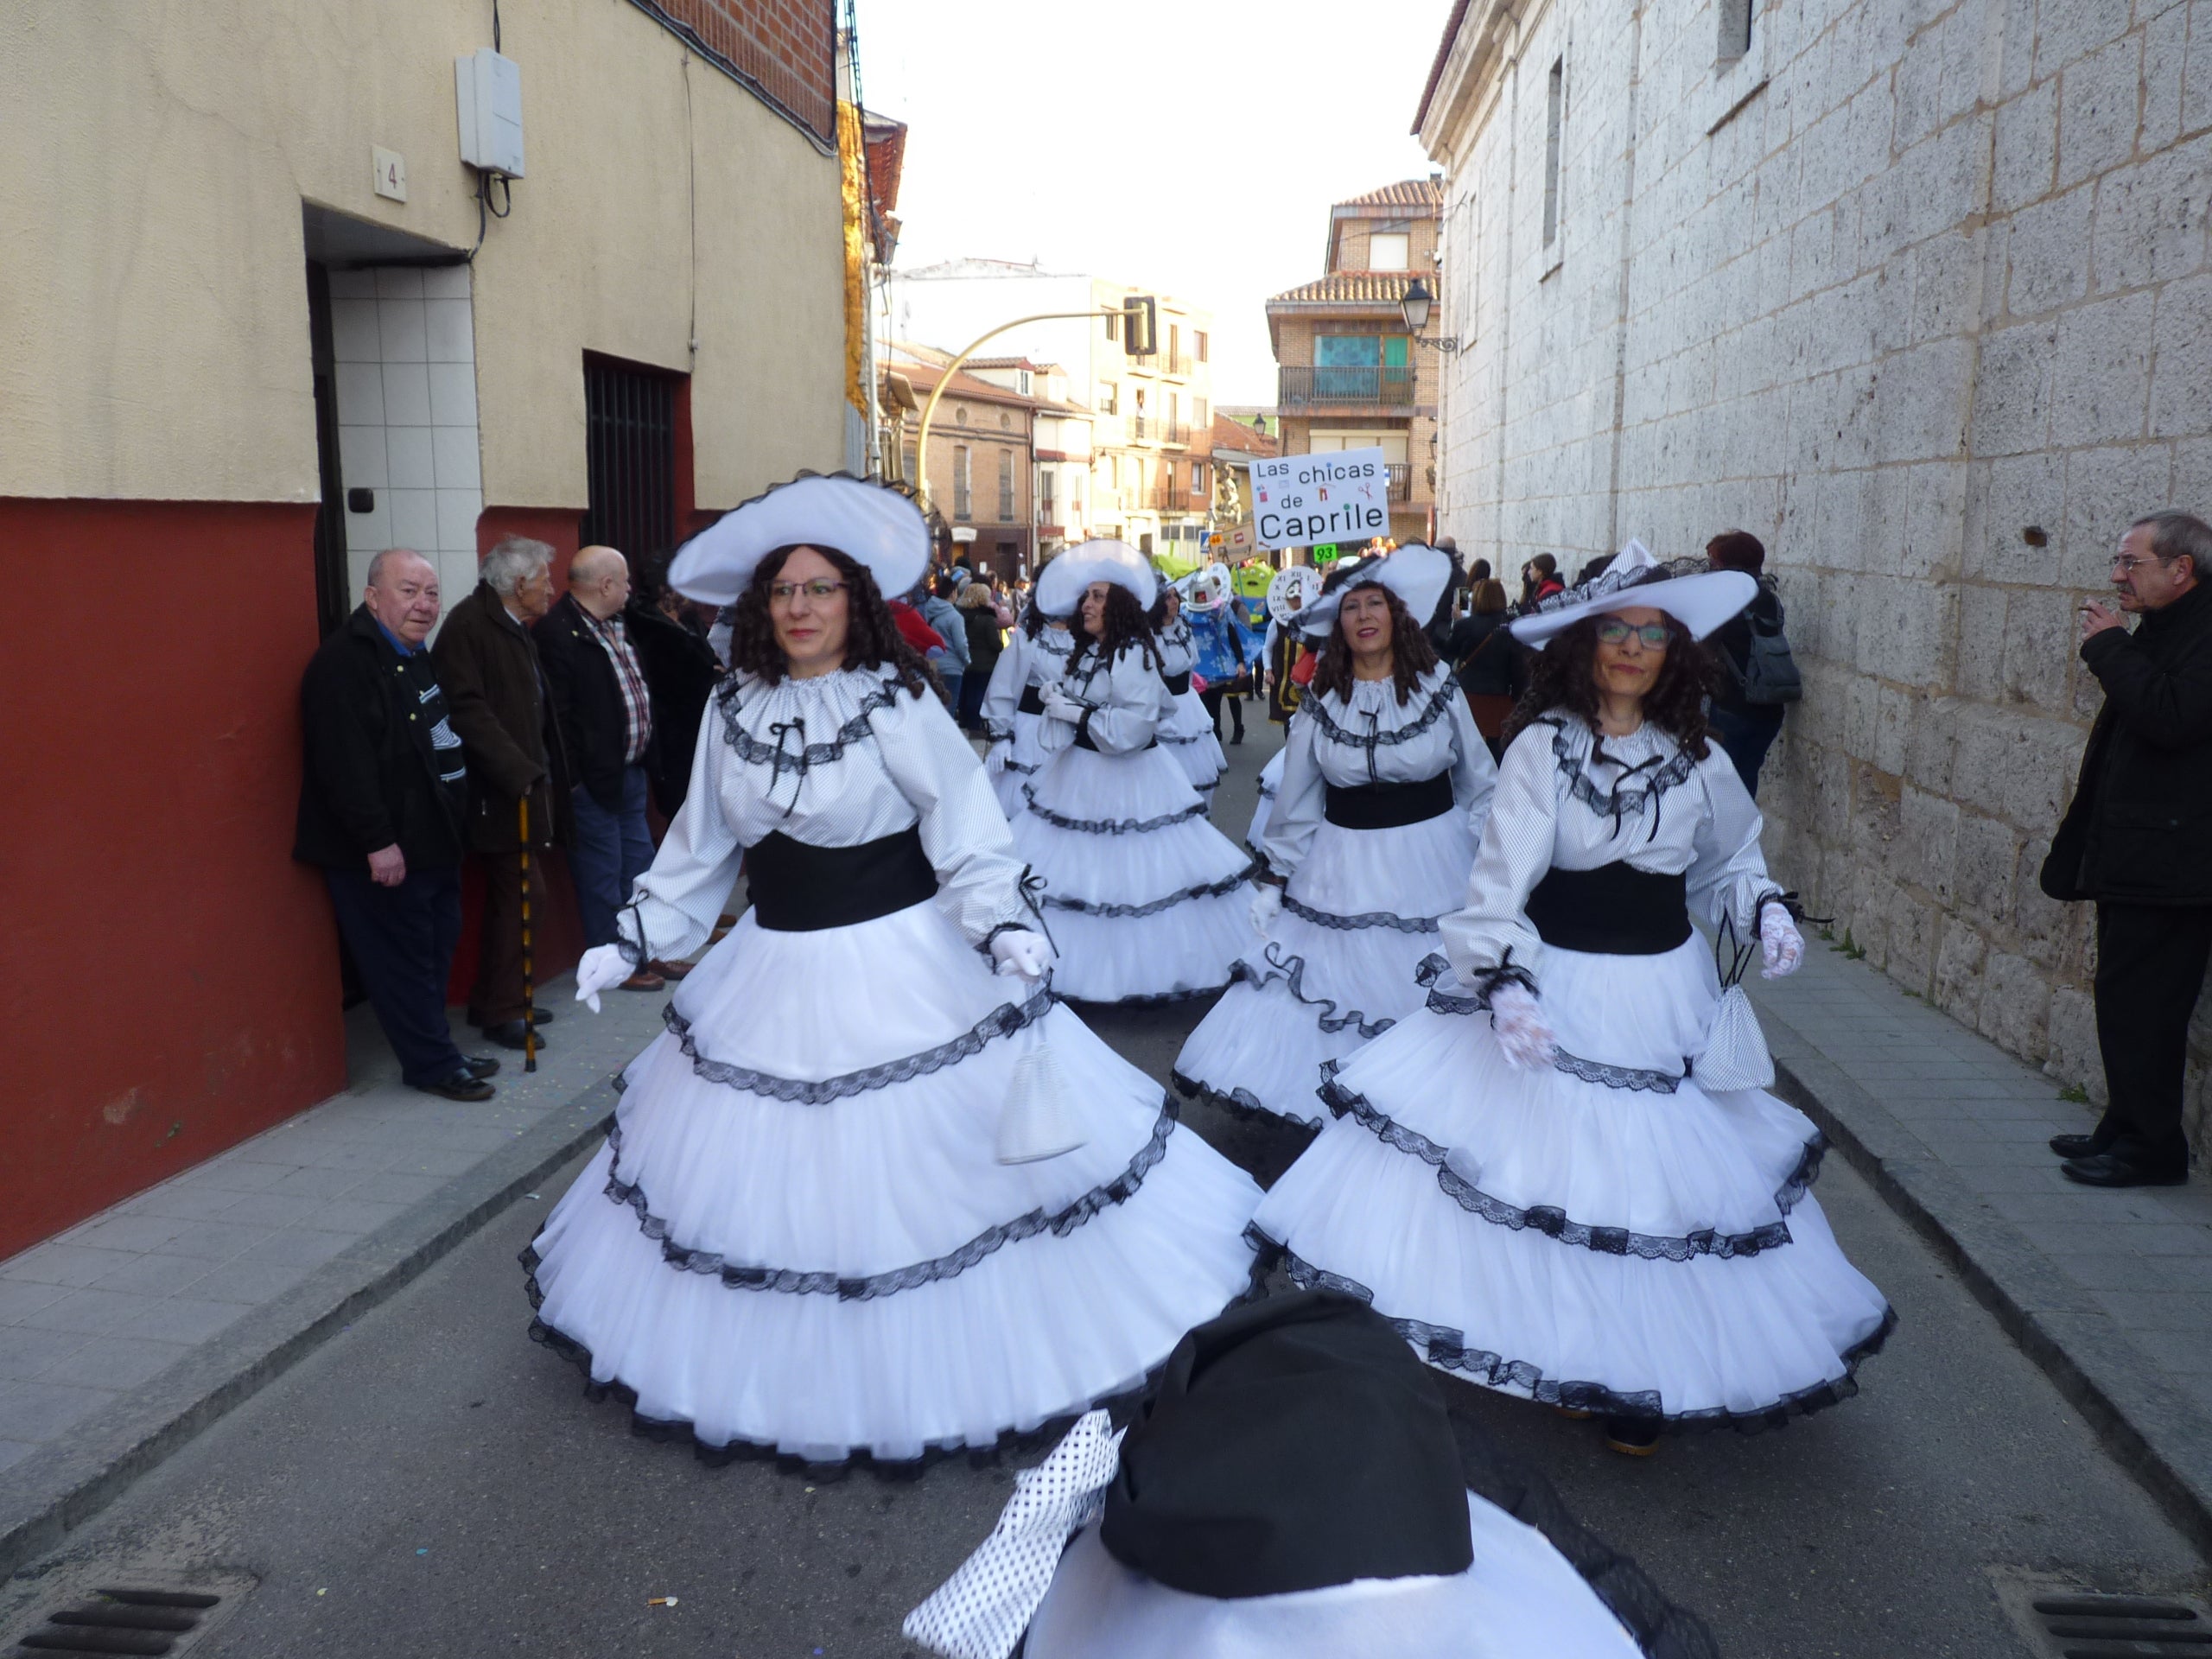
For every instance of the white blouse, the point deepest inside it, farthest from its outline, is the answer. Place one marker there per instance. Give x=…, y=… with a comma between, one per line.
x=1372, y=738
x=1128, y=700
x=1024, y=662
x=1568, y=801
x=1178, y=653
x=833, y=762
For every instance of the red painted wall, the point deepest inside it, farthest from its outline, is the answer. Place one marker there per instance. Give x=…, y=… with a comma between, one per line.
x=173, y=984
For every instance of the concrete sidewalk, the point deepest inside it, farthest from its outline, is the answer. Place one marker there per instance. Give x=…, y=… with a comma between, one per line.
x=2109, y=1291
x=122, y=1338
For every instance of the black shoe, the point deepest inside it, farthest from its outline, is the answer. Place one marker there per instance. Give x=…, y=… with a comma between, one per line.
x=510, y=1035
x=1632, y=1437
x=481, y=1065
x=1239, y=738
x=463, y=1084
x=2111, y=1169
x=2077, y=1146
x=539, y=1016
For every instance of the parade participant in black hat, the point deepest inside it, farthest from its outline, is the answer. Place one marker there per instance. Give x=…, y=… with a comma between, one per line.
x=1589, y=1199
x=864, y=1197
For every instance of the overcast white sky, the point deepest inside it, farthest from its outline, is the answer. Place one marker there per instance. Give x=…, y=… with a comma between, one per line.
x=1193, y=146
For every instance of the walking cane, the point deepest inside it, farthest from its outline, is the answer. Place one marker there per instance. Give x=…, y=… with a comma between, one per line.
x=529, y=1004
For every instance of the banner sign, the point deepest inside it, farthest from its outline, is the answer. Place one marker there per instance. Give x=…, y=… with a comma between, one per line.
x=1303, y=500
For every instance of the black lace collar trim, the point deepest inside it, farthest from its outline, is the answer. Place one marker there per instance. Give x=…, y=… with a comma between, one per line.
x=1439, y=701
x=1447, y=1348
x=869, y=1287
x=1626, y=799
x=781, y=758
x=1002, y=1021
x=1554, y=1222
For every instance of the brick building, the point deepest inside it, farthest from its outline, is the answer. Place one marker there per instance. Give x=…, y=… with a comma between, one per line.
x=1917, y=292
x=278, y=325
x=1350, y=375
x=983, y=462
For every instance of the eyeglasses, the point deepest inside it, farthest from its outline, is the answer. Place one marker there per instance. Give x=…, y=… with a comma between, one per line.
x=1654, y=634
x=2128, y=564
x=782, y=593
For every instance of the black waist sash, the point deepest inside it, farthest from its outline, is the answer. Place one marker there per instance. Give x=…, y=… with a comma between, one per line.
x=1177, y=683
x=1082, y=741
x=1388, y=806
x=1612, y=911
x=1031, y=703
x=798, y=887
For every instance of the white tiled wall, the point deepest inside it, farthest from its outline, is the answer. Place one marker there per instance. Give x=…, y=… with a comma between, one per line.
x=406, y=359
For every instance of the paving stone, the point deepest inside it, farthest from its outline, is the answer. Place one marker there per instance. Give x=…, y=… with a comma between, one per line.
x=92, y=1312
x=177, y=1318
x=158, y=1275
x=14, y=1451
x=185, y=1200
x=115, y=1361
x=42, y=1411
x=116, y=1231
x=21, y=1296
x=249, y=1282
x=352, y=1215
x=25, y=1350
x=56, y=1263
x=217, y=1241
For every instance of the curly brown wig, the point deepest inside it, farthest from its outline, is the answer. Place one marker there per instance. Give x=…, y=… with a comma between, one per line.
x=1125, y=626
x=1565, y=679
x=1411, y=654
x=872, y=638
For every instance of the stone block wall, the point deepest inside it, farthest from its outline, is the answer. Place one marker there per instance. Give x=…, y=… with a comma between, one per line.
x=1918, y=292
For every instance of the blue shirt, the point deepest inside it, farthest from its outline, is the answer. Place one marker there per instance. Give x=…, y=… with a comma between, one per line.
x=397, y=643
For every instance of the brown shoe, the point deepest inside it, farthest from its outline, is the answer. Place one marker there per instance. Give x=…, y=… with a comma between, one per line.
x=668, y=970
x=644, y=980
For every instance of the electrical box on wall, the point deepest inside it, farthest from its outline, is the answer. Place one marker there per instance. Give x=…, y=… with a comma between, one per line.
x=487, y=95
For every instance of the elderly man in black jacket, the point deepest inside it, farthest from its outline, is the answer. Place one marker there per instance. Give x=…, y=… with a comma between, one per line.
x=2138, y=840
x=488, y=662
x=381, y=810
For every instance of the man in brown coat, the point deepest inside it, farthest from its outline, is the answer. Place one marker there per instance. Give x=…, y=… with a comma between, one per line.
x=487, y=663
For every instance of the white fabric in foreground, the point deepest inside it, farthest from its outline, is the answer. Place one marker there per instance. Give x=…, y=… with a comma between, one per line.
x=867, y=522
x=982, y=1610
x=1521, y=1598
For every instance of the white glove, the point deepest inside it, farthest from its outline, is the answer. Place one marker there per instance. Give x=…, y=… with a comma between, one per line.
x=602, y=969
x=996, y=756
x=1023, y=953
x=1267, y=904
x=1780, y=943
x=1060, y=706
x=1522, y=1032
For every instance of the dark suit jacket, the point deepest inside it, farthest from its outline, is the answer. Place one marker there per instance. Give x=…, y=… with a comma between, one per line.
x=488, y=663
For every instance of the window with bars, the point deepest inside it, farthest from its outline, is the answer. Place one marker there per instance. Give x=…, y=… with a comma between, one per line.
x=963, y=494
x=1045, y=490
x=1006, y=486
x=630, y=459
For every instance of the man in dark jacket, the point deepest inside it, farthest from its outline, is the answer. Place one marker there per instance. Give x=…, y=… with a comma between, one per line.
x=381, y=810
x=628, y=689
x=1746, y=730
x=2135, y=840
x=488, y=664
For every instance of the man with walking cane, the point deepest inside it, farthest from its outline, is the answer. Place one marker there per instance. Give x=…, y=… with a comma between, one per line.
x=518, y=774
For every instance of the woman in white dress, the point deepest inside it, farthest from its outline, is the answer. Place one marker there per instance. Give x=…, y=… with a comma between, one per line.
x=1146, y=900
x=1188, y=733
x=1564, y=1179
x=1289, y=595
x=1035, y=656
x=1385, y=785
x=866, y=1198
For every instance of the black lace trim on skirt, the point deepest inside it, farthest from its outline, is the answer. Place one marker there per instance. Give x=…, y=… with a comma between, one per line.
x=1631, y=1078
x=1228, y=884
x=714, y=1454
x=1554, y=1222
x=1365, y=918
x=1002, y=1021
x=1292, y=971
x=1114, y=826
x=867, y=1288
x=1447, y=1348
x=1241, y=1103
x=1475, y=999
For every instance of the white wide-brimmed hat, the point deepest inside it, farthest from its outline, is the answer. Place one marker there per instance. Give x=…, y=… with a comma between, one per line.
x=1417, y=574
x=1304, y=580
x=876, y=526
x=1060, y=589
x=1699, y=597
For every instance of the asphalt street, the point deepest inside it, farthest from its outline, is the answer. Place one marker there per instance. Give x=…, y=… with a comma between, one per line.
x=430, y=1483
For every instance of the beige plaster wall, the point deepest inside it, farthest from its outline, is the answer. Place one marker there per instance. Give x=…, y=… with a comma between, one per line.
x=152, y=307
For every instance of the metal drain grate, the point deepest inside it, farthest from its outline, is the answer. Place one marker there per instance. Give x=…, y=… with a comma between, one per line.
x=2084, y=1626
x=122, y=1620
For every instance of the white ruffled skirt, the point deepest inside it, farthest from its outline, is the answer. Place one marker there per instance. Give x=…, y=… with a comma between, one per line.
x=1189, y=737
x=1024, y=762
x=1145, y=901
x=1338, y=969
x=1601, y=1233
x=1270, y=783
x=798, y=1239
x=1521, y=1598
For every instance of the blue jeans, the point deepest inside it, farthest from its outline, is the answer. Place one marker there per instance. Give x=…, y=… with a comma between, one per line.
x=1745, y=735
x=403, y=940
x=611, y=850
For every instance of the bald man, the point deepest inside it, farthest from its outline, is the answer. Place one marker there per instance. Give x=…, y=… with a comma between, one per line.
x=605, y=707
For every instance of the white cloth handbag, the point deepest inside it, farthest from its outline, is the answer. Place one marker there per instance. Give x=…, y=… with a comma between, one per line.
x=1735, y=1049
x=1039, y=1120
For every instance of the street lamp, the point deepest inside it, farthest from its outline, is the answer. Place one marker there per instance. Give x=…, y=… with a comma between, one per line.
x=1416, y=303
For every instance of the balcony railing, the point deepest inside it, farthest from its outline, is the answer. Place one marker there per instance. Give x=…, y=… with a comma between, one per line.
x=1148, y=429
x=1401, y=480
x=1177, y=498
x=1176, y=362
x=1299, y=386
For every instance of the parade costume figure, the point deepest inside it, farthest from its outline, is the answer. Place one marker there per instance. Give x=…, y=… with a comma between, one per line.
x=1384, y=788
x=864, y=1197
x=1224, y=661
x=1145, y=900
x=1288, y=594
x=1035, y=656
x=1590, y=1201
x=1187, y=734
x=1295, y=1488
